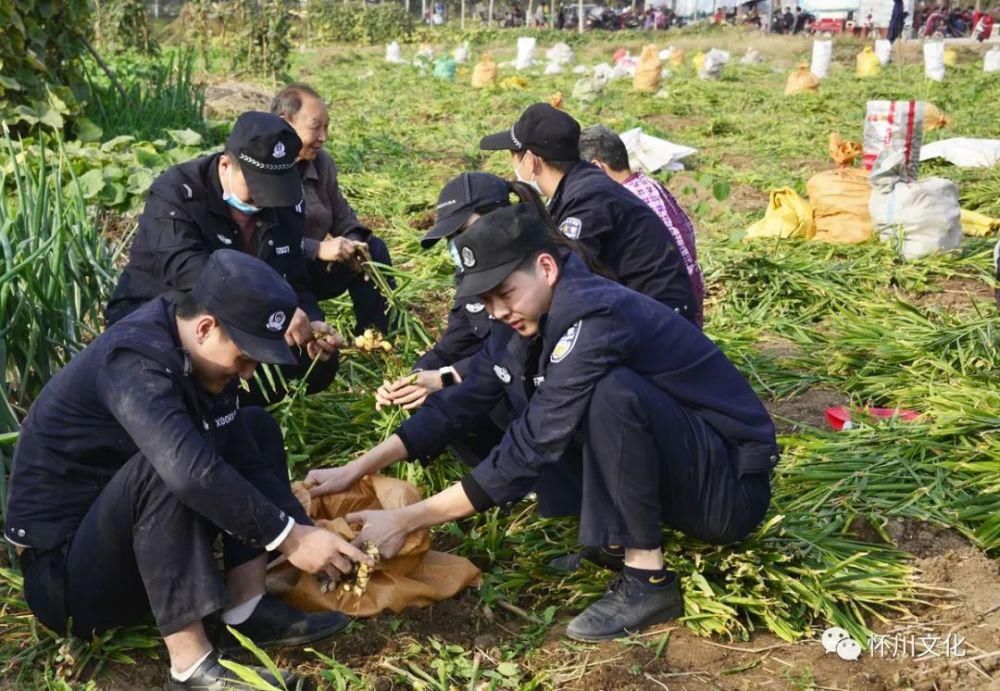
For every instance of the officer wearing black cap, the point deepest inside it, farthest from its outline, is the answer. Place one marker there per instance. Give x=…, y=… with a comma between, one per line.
x=671, y=432
x=462, y=200
x=247, y=198
x=625, y=236
x=136, y=456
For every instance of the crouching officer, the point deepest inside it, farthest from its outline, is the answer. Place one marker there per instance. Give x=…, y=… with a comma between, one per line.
x=247, y=198
x=136, y=456
x=670, y=432
x=622, y=234
x=462, y=200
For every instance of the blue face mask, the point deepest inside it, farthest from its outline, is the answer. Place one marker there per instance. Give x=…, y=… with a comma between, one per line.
x=235, y=201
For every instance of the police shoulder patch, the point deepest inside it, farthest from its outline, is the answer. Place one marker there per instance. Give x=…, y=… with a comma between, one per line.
x=503, y=374
x=571, y=228
x=474, y=307
x=566, y=344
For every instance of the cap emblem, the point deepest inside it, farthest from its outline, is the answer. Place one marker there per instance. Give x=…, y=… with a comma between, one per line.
x=279, y=150
x=276, y=321
x=468, y=258
x=450, y=202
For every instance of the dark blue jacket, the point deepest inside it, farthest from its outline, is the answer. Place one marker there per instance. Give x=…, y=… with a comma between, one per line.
x=132, y=391
x=185, y=220
x=601, y=326
x=624, y=235
x=469, y=325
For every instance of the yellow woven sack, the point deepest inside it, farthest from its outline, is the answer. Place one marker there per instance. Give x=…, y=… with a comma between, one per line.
x=788, y=216
x=868, y=64
x=698, y=60
x=801, y=81
x=934, y=119
x=950, y=57
x=484, y=73
x=648, y=71
x=977, y=224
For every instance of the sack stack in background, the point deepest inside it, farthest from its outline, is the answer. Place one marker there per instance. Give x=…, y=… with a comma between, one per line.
x=821, y=57
x=484, y=73
x=917, y=217
x=648, y=71
x=801, y=81
x=868, y=64
x=712, y=64
x=840, y=197
x=934, y=60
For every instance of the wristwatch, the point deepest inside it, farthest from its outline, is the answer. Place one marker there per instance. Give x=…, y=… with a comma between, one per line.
x=449, y=376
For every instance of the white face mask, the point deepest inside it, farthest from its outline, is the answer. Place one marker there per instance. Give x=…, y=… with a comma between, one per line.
x=235, y=201
x=517, y=174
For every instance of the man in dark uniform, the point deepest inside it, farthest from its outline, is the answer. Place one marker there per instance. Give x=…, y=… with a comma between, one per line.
x=463, y=200
x=621, y=233
x=333, y=232
x=247, y=198
x=136, y=456
x=670, y=432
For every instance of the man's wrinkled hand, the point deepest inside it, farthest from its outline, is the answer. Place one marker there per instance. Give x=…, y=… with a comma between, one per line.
x=325, y=341
x=300, y=331
x=386, y=529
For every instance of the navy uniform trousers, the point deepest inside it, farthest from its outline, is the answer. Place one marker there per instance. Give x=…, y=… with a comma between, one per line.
x=140, y=551
x=369, y=304
x=642, y=461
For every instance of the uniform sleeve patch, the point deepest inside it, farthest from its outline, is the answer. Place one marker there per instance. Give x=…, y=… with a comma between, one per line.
x=566, y=344
x=571, y=228
x=503, y=374
x=474, y=307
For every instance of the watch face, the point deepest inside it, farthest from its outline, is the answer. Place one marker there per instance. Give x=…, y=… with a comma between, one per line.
x=447, y=378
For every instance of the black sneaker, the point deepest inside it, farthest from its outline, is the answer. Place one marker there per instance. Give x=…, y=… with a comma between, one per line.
x=628, y=606
x=568, y=563
x=273, y=623
x=211, y=675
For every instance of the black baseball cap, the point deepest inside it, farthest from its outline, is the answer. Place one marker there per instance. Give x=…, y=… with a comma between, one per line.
x=460, y=197
x=266, y=147
x=252, y=300
x=549, y=132
x=494, y=245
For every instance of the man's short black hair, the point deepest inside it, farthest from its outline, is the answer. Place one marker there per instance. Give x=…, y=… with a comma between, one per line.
x=600, y=143
x=288, y=102
x=187, y=307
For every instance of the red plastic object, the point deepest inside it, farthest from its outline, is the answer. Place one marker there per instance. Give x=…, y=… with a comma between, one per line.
x=828, y=25
x=839, y=418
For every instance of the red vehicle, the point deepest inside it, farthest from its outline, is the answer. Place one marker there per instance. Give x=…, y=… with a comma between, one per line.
x=828, y=25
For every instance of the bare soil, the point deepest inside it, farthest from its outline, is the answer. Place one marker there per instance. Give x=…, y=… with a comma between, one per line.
x=955, y=294
x=226, y=100
x=804, y=411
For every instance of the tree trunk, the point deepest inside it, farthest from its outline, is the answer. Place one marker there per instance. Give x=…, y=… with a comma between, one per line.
x=489, y=21
x=528, y=18
x=463, y=15
x=579, y=17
